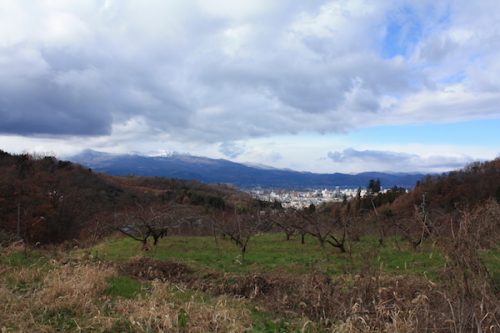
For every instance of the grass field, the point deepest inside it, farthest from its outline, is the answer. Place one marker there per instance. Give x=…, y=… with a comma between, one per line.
x=273, y=253
x=50, y=290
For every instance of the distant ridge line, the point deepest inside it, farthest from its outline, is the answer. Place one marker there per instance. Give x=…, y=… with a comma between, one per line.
x=210, y=170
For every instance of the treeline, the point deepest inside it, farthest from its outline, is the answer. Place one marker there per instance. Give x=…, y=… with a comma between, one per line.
x=462, y=189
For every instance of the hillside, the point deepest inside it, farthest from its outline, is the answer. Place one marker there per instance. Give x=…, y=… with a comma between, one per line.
x=454, y=192
x=439, y=207
x=216, y=171
x=57, y=200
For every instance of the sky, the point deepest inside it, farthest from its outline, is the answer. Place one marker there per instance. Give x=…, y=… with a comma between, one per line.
x=319, y=85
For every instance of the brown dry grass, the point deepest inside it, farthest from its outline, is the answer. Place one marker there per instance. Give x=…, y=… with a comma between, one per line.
x=160, y=313
x=32, y=293
x=371, y=303
x=470, y=295
x=70, y=297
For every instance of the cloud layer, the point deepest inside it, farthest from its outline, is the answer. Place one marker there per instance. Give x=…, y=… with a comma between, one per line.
x=396, y=161
x=226, y=70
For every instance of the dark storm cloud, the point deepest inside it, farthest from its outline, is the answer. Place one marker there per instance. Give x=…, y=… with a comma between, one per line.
x=42, y=106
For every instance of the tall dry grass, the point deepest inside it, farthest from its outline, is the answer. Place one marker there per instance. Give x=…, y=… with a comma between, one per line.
x=70, y=297
x=159, y=313
x=471, y=297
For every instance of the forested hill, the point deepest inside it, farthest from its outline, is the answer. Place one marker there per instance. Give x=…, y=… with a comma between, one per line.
x=223, y=171
x=457, y=190
x=56, y=200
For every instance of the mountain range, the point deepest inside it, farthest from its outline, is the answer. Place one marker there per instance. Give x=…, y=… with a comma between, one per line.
x=208, y=170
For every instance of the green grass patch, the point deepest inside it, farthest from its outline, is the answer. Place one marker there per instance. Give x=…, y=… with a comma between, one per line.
x=188, y=295
x=61, y=319
x=491, y=259
x=122, y=326
x=262, y=321
x=266, y=322
x=124, y=286
x=273, y=253
x=182, y=320
x=426, y=260
x=24, y=259
x=23, y=286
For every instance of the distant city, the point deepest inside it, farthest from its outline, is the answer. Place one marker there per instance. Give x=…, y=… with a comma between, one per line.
x=302, y=199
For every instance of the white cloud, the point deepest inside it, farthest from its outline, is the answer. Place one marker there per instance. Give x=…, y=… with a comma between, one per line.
x=397, y=161
x=62, y=29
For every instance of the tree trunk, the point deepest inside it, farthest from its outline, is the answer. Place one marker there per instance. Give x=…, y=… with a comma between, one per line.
x=243, y=250
x=19, y=220
x=145, y=245
x=342, y=248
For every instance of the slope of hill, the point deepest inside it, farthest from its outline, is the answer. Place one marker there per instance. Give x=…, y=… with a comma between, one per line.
x=47, y=200
x=223, y=171
x=457, y=190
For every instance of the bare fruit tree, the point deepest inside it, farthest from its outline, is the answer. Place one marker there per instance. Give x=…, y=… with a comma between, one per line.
x=284, y=220
x=241, y=226
x=154, y=222
x=420, y=227
x=325, y=227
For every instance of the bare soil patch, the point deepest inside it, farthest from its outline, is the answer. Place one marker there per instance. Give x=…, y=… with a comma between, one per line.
x=151, y=269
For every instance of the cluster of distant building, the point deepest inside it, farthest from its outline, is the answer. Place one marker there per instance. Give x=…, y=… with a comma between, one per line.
x=304, y=198
x=299, y=199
